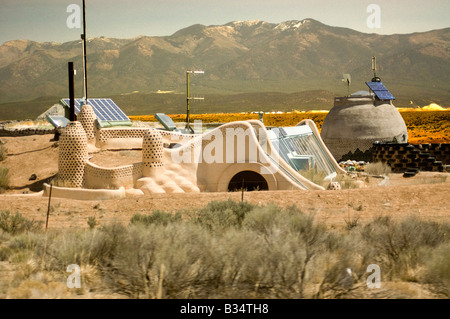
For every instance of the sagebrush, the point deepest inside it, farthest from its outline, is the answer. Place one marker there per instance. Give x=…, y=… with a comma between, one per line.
x=234, y=250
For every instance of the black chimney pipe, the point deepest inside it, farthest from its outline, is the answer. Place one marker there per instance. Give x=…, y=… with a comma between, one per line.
x=72, y=116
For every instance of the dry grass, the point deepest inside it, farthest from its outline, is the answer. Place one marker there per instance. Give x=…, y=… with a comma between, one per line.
x=231, y=250
x=378, y=169
x=4, y=179
x=3, y=151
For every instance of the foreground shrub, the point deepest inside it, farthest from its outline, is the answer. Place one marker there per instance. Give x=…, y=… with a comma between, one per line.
x=160, y=262
x=236, y=250
x=438, y=270
x=293, y=240
x=15, y=224
x=399, y=245
x=4, y=179
x=157, y=217
x=219, y=215
x=3, y=152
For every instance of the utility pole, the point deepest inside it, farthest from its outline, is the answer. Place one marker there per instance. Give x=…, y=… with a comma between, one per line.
x=188, y=98
x=83, y=37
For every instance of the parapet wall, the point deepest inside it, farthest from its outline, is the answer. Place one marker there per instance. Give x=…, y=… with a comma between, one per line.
x=120, y=138
x=105, y=134
x=97, y=177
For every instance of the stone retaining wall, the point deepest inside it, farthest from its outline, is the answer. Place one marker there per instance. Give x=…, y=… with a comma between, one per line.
x=11, y=131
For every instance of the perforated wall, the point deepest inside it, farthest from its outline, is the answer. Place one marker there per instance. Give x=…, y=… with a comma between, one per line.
x=100, y=177
x=109, y=133
x=152, y=149
x=87, y=118
x=72, y=155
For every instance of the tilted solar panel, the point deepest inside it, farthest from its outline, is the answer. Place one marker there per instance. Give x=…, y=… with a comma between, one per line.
x=105, y=109
x=380, y=91
x=166, y=121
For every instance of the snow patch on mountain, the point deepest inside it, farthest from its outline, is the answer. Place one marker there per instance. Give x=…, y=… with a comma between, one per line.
x=290, y=25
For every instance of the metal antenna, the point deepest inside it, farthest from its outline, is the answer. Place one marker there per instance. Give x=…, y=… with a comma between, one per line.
x=347, y=79
x=83, y=37
x=374, y=67
x=188, y=98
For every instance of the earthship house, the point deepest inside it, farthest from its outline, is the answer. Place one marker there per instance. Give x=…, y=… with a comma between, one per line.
x=242, y=154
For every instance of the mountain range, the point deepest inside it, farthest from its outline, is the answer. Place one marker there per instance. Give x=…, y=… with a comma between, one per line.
x=238, y=57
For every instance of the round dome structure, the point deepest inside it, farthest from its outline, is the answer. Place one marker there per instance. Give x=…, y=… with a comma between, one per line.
x=359, y=120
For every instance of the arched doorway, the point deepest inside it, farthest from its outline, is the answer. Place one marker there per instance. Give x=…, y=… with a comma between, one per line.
x=249, y=180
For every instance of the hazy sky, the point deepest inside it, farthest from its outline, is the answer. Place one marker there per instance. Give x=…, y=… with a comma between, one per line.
x=45, y=20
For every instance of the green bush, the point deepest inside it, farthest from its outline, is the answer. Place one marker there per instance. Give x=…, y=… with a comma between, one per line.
x=4, y=179
x=3, y=152
x=92, y=222
x=399, y=245
x=15, y=224
x=314, y=175
x=157, y=217
x=219, y=215
x=378, y=168
x=438, y=269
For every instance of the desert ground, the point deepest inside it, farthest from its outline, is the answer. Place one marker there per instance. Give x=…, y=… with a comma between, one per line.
x=33, y=160
x=424, y=195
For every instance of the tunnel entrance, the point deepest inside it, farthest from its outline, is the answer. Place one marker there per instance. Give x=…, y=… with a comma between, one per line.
x=249, y=180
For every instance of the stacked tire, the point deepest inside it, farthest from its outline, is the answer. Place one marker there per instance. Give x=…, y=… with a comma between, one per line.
x=410, y=159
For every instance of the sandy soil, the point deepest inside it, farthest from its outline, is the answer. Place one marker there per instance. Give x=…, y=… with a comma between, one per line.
x=425, y=195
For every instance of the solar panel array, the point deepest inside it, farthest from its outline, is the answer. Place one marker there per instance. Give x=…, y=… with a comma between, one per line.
x=104, y=109
x=380, y=91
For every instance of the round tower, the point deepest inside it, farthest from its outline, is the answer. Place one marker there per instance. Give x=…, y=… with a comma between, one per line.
x=72, y=155
x=359, y=120
x=87, y=118
x=152, y=152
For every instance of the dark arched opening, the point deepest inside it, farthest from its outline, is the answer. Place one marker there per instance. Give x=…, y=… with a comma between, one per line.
x=249, y=180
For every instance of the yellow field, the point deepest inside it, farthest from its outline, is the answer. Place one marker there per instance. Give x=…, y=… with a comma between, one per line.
x=426, y=125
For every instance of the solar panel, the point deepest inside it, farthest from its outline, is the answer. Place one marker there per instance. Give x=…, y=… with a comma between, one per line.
x=166, y=121
x=380, y=91
x=57, y=121
x=105, y=109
